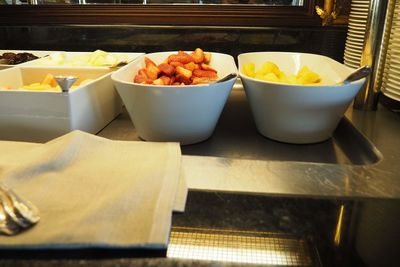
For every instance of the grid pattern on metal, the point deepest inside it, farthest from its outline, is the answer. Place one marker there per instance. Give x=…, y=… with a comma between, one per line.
x=238, y=246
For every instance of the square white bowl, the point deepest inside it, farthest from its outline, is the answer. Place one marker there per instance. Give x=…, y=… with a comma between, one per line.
x=186, y=114
x=298, y=113
x=38, y=53
x=39, y=116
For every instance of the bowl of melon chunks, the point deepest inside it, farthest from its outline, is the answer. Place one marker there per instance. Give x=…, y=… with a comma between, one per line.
x=174, y=96
x=296, y=97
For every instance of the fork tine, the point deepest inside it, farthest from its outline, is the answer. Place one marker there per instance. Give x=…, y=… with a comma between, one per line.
x=20, y=211
x=24, y=208
x=9, y=210
x=7, y=226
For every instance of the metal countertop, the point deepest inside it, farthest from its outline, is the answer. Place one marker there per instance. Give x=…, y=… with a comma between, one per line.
x=361, y=160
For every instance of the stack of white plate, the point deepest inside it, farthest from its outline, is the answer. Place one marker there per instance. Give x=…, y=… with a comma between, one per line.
x=391, y=71
x=356, y=32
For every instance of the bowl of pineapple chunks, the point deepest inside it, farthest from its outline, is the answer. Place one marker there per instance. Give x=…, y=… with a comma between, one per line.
x=174, y=96
x=296, y=97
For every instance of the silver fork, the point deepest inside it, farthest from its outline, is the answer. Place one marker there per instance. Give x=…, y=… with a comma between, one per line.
x=7, y=227
x=16, y=214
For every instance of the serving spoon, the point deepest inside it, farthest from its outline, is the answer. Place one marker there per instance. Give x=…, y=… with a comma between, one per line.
x=65, y=82
x=226, y=78
x=358, y=74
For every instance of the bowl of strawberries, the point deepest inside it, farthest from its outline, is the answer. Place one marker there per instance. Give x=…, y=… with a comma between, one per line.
x=176, y=96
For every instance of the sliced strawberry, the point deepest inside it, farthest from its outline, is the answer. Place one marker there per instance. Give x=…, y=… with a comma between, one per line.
x=176, y=64
x=191, y=66
x=181, y=57
x=149, y=62
x=152, y=71
x=205, y=66
x=167, y=69
x=158, y=81
x=207, y=57
x=183, y=72
x=205, y=73
x=166, y=80
x=198, y=55
x=201, y=80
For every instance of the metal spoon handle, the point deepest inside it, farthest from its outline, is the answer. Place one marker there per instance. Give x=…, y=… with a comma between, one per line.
x=358, y=74
x=65, y=82
x=227, y=77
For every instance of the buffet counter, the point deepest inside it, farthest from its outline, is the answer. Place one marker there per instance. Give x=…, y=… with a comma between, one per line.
x=334, y=203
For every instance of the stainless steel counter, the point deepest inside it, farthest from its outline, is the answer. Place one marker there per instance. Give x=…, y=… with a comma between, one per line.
x=361, y=160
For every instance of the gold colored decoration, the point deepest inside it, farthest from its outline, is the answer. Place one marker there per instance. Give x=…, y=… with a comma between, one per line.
x=328, y=13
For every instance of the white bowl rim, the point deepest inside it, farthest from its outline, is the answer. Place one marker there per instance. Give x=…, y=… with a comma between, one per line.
x=242, y=75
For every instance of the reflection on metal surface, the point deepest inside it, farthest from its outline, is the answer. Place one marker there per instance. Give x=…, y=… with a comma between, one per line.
x=236, y=136
x=367, y=98
x=338, y=231
x=328, y=13
x=239, y=246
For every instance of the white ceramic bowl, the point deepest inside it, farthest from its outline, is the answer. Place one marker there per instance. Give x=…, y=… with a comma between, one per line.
x=186, y=114
x=38, y=53
x=39, y=116
x=298, y=113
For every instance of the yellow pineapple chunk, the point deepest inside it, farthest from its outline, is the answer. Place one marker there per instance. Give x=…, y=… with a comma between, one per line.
x=271, y=77
x=269, y=66
x=291, y=79
x=249, y=69
x=307, y=76
x=270, y=72
x=49, y=80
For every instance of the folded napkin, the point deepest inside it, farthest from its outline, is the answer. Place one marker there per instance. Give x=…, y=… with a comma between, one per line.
x=94, y=192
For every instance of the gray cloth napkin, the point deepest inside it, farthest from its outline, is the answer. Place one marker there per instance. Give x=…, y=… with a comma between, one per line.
x=94, y=192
